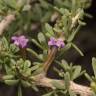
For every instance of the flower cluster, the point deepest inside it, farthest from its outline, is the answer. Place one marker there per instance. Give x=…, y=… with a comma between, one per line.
x=20, y=41
x=56, y=42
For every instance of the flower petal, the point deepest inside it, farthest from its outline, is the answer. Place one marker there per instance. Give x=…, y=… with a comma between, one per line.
x=20, y=41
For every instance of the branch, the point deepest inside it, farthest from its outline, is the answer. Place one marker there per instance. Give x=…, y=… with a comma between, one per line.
x=6, y=22
x=80, y=89
x=76, y=88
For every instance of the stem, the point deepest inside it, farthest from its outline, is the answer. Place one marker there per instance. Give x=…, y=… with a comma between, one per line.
x=23, y=52
x=50, y=58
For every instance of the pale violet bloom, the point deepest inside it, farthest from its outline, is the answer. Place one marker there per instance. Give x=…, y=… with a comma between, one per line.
x=56, y=42
x=20, y=41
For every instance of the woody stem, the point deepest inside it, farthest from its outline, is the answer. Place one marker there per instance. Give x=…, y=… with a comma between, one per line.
x=50, y=58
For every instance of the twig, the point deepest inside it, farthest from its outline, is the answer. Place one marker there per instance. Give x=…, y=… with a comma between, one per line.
x=6, y=22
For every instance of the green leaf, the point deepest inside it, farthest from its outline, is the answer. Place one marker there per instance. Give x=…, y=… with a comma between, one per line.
x=72, y=93
x=41, y=56
x=1, y=5
x=26, y=7
x=44, y=4
x=5, y=43
x=11, y=82
x=64, y=65
x=88, y=77
x=94, y=65
x=38, y=71
x=81, y=23
x=93, y=86
x=49, y=29
x=27, y=64
x=46, y=17
x=13, y=62
x=61, y=74
x=76, y=72
x=48, y=35
x=27, y=72
x=37, y=12
x=58, y=3
x=6, y=77
x=74, y=6
x=78, y=50
x=67, y=80
x=25, y=83
x=42, y=40
x=8, y=70
x=19, y=91
x=58, y=85
x=34, y=53
x=62, y=10
x=14, y=48
x=41, y=37
x=21, y=4
x=35, y=42
x=71, y=37
x=63, y=92
x=11, y=3
x=35, y=67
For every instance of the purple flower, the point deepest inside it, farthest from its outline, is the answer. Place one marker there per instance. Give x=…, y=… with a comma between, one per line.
x=52, y=41
x=56, y=42
x=20, y=41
